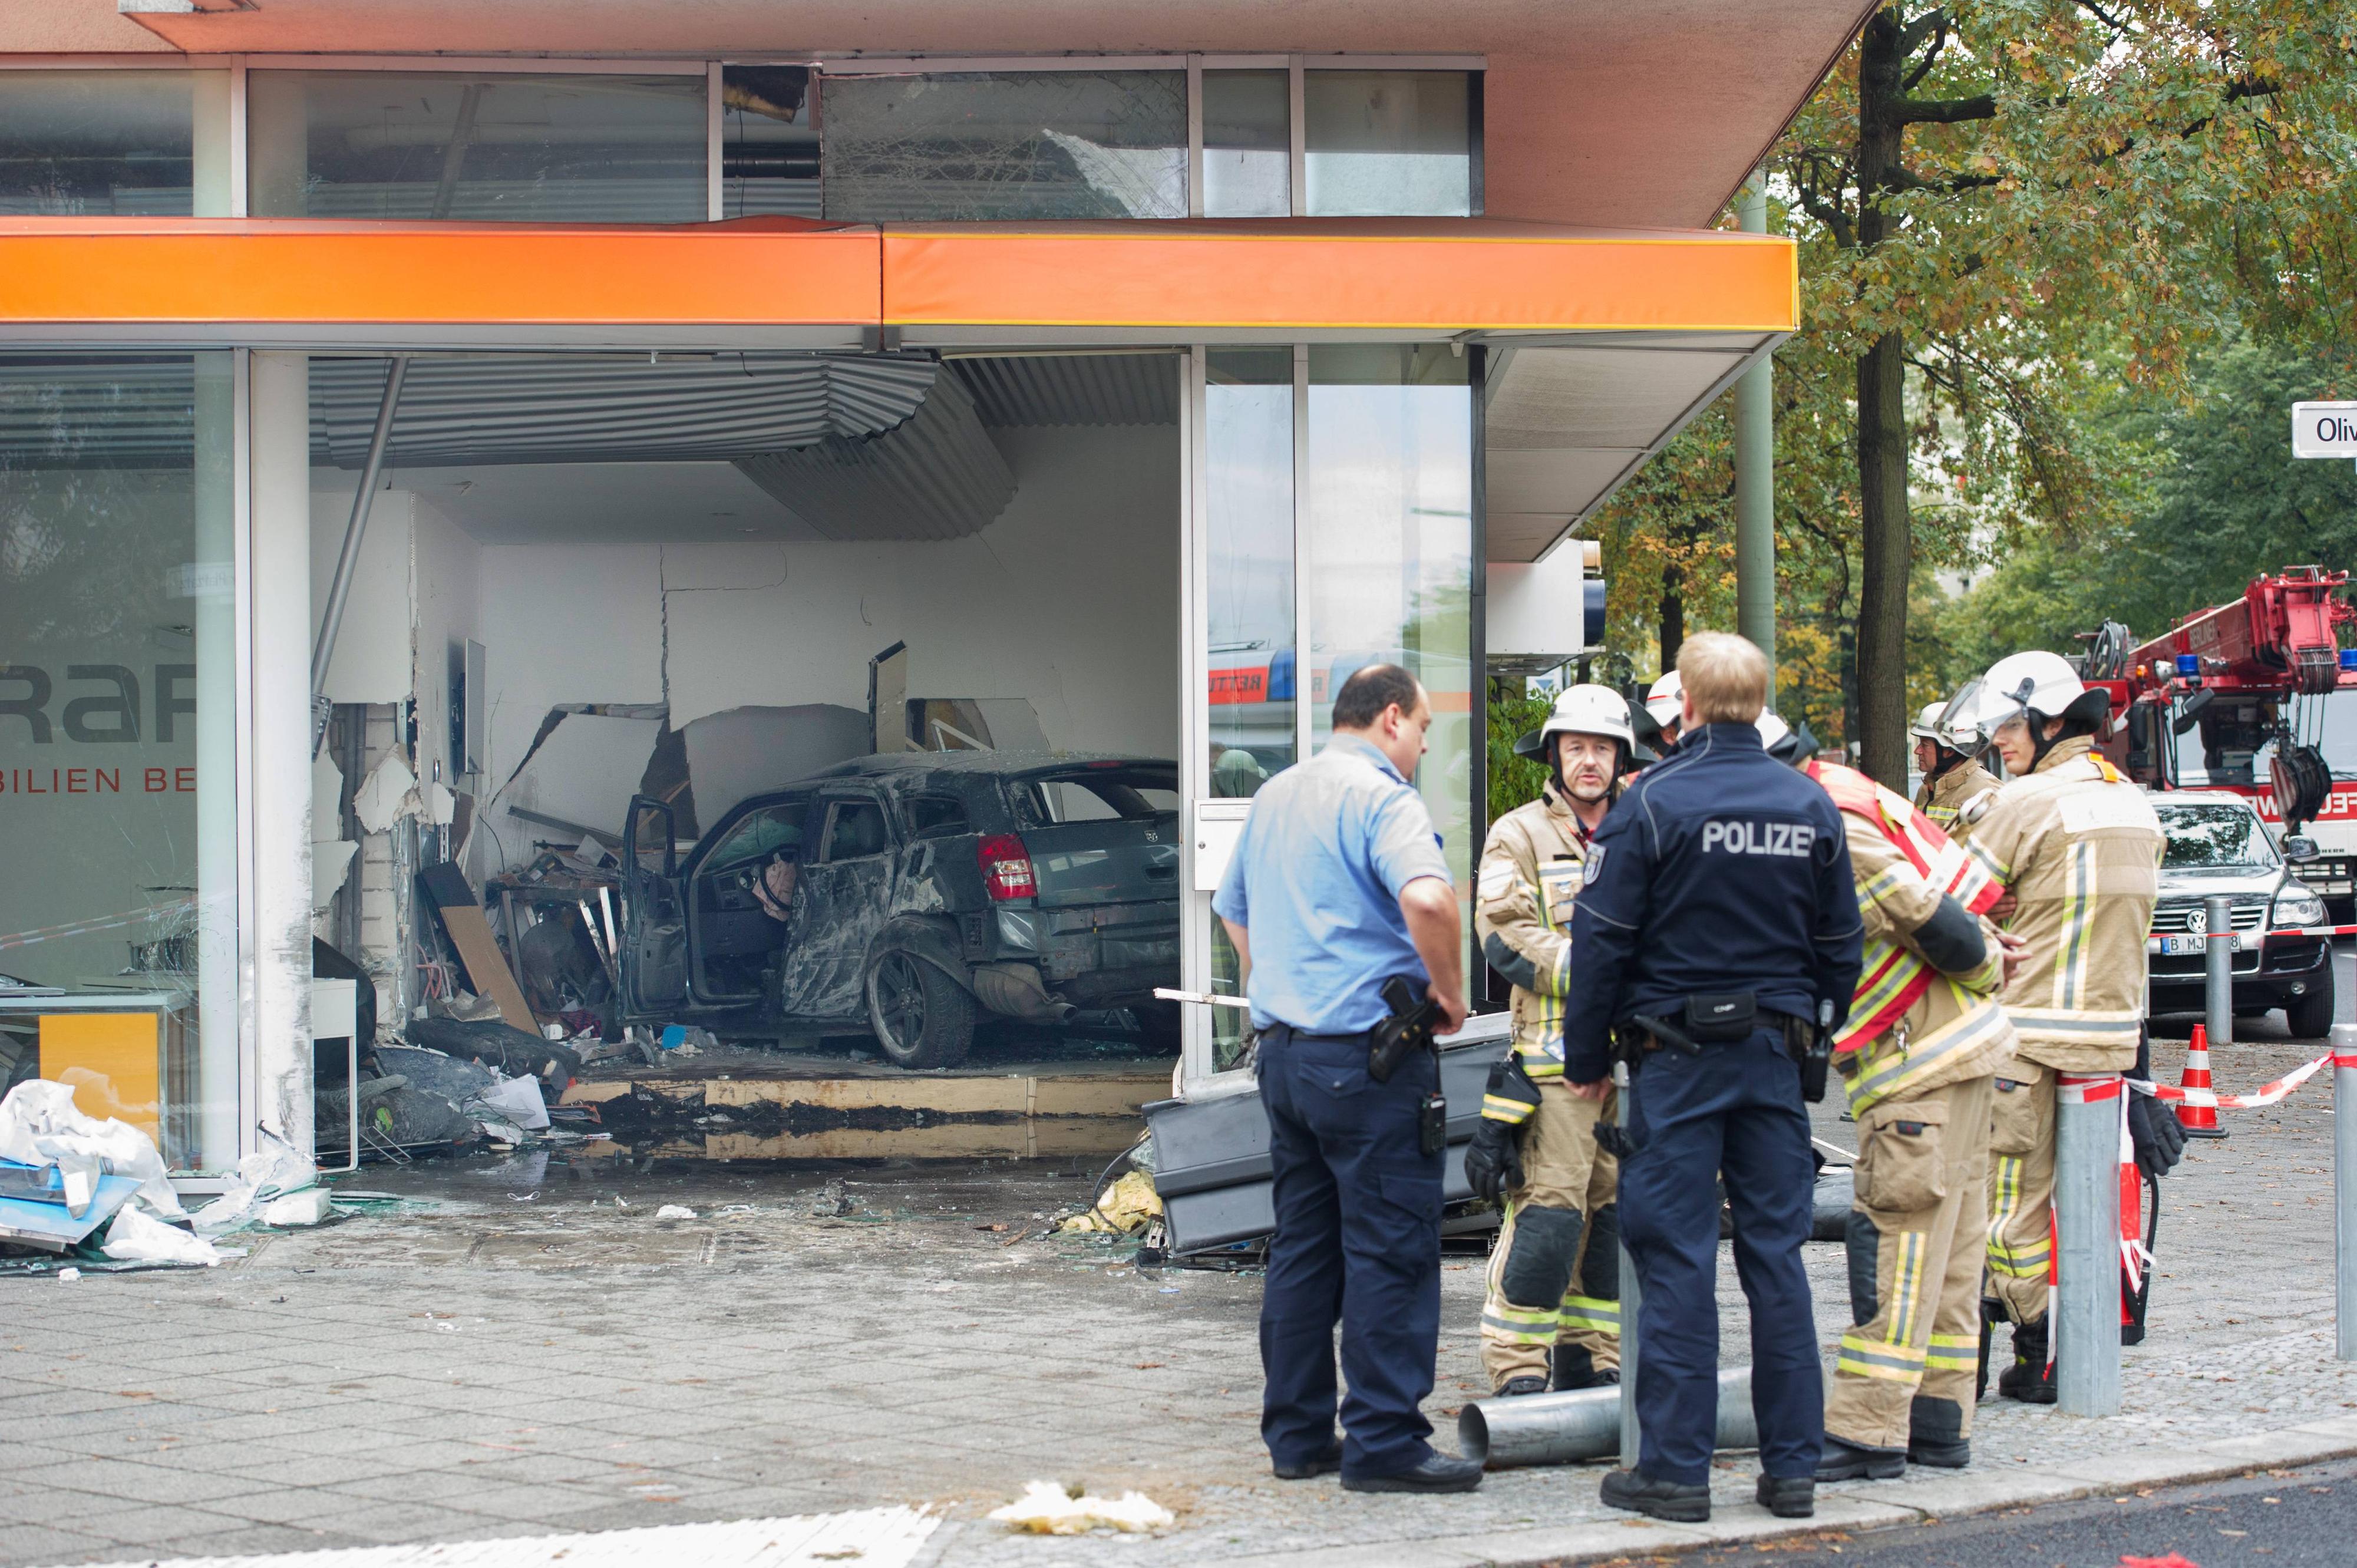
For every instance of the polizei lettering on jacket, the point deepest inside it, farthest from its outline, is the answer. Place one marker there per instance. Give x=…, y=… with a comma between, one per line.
x=1790, y=840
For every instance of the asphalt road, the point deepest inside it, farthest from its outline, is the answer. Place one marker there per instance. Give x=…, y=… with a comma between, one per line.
x=2281, y=1518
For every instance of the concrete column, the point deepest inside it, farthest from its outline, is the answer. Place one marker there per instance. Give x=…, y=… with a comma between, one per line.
x=1755, y=474
x=2086, y=1344
x=279, y=820
x=214, y=617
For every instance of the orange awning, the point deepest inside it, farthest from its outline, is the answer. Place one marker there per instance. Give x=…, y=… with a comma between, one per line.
x=1273, y=274
x=1453, y=274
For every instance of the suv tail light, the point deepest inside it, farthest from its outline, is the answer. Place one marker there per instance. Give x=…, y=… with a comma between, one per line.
x=1006, y=867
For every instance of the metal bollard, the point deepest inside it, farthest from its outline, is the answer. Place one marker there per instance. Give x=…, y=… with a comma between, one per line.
x=1631, y=1296
x=2086, y=1344
x=1564, y=1428
x=2218, y=959
x=2344, y=1188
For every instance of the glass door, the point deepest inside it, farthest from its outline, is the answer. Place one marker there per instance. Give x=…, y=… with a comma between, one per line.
x=1331, y=525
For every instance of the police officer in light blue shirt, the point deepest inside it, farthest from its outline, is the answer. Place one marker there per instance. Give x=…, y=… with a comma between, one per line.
x=1718, y=934
x=1337, y=884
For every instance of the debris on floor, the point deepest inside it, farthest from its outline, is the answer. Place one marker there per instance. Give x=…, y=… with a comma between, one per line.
x=674, y=1211
x=1046, y=1509
x=1125, y=1209
x=74, y=1186
x=134, y=1237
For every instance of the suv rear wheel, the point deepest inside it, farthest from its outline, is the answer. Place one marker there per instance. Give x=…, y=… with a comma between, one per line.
x=921, y=1016
x=2310, y=1017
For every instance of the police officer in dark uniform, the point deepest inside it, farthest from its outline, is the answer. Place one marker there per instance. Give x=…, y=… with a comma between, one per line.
x=1718, y=941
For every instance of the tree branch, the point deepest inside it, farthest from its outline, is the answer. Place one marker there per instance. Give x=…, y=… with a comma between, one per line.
x=1930, y=57
x=1944, y=111
x=1912, y=34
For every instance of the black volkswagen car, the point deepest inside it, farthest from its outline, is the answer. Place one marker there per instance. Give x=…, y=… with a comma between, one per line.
x=2283, y=950
x=908, y=893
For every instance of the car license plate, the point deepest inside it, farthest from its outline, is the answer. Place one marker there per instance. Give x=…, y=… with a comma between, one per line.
x=2194, y=944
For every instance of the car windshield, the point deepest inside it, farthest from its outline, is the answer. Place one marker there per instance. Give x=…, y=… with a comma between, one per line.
x=2215, y=836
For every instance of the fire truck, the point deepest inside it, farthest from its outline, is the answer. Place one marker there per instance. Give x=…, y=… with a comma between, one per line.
x=2261, y=691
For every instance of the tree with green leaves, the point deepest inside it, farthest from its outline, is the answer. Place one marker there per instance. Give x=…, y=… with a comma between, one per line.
x=2006, y=208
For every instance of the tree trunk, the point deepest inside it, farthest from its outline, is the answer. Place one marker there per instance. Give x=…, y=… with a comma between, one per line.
x=1673, y=617
x=1882, y=585
x=1881, y=431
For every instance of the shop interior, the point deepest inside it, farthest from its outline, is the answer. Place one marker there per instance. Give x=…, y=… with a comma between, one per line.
x=700, y=581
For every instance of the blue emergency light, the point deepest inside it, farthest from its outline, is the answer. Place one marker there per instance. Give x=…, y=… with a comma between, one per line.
x=2349, y=659
x=2190, y=666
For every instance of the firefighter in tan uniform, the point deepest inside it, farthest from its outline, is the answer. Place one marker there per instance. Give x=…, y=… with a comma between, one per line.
x=1954, y=780
x=1555, y=1283
x=1924, y=1037
x=2078, y=848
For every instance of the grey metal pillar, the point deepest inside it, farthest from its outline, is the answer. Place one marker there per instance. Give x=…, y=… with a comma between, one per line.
x=2086, y=1343
x=1632, y=1297
x=2218, y=954
x=1755, y=474
x=2344, y=1188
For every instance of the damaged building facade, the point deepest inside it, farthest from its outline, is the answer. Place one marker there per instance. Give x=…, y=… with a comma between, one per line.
x=468, y=477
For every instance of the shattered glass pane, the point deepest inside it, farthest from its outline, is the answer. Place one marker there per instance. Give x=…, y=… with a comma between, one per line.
x=556, y=148
x=973, y=145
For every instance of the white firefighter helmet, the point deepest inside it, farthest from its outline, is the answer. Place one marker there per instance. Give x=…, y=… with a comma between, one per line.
x=1781, y=741
x=2021, y=684
x=1662, y=700
x=1928, y=726
x=1588, y=710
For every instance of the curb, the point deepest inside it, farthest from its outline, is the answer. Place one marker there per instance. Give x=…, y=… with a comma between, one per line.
x=1844, y=1506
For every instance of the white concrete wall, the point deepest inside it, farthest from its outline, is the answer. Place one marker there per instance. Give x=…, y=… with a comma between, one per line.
x=1068, y=601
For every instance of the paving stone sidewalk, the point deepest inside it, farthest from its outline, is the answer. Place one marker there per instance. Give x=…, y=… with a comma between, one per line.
x=527, y=1355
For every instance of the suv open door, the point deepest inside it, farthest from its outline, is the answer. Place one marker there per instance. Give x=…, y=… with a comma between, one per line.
x=654, y=917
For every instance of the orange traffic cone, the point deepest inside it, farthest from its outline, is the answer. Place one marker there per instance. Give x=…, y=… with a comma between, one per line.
x=2199, y=1121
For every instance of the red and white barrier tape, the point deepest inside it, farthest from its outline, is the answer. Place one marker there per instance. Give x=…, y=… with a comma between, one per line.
x=2267, y=1095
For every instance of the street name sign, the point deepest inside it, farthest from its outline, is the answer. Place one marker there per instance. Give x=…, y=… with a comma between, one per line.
x=2324, y=430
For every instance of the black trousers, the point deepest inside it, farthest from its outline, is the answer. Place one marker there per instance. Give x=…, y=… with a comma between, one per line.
x=1358, y=1243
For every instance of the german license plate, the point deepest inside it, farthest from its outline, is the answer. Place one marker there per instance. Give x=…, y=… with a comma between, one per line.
x=2195, y=944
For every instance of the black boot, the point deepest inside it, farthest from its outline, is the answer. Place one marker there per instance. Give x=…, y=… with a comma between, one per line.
x=1640, y=1493
x=1515, y=1388
x=2027, y=1379
x=1990, y=1312
x=1935, y=1434
x=1844, y=1461
x=1788, y=1496
x=1575, y=1368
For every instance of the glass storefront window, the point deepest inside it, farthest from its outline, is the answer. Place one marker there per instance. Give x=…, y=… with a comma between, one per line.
x=1247, y=145
x=1389, y=142
x=972, y=145
x=768, y=142
x=1248, y=594
x=556, y=148
x=118, y=913
x=124, y=142
x=1388, y=551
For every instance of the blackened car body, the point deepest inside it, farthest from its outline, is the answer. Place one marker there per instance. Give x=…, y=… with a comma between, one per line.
x=908, y=893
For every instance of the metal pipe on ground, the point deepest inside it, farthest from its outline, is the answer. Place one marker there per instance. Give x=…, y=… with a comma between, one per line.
x=2344, y=1188
x=1585, y=1423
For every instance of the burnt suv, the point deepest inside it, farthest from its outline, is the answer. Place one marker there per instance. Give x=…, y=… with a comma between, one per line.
x=908, y=893
x=2283, y=951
